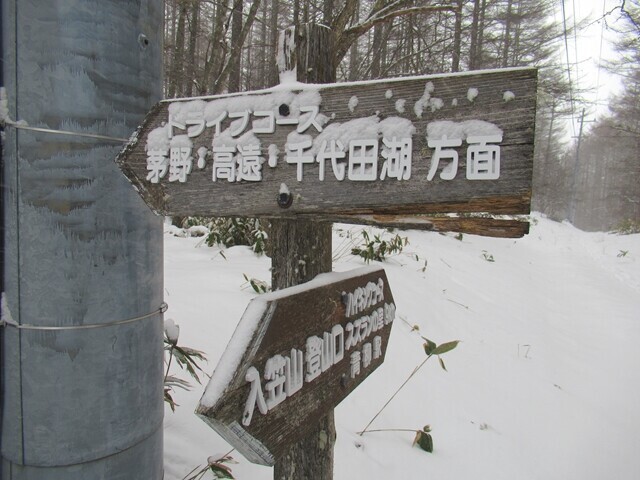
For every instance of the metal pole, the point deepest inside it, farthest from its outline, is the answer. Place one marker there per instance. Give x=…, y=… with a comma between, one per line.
x=81, y=249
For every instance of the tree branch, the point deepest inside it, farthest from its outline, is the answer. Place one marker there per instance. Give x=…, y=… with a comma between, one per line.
x=384, y=15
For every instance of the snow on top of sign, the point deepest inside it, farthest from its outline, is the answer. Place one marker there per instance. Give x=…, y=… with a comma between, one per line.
x=214, y=111
x=461, y=130
x=508, y=96
x=158, y=139
x=396, y=127
x=400, y=105
x=288, y=87
x=274, y=151
x=353, y=103
x=322, y=280
x=434, y=103
x=388, y=94
x=364, y=128
x=233, y=354
x=249, y=323
x=472, y=93
x=181, y=141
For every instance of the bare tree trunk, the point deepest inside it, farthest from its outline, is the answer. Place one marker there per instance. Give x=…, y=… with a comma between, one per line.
x=376, y=51
x=273, y=25
x=479, y=49
x=353, y=53
x=507, y=35
x=457, y=38
x=473, y=46
x=191, y=55
x=177, y=68
x=236, y=47
x=327, y=12
x=263, y=59
x=213, y=65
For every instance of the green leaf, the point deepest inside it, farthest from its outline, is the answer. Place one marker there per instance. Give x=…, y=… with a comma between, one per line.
x=424, y=441
x=442, y=364
x=446, y=347
x=429, y=346
x=221, y=471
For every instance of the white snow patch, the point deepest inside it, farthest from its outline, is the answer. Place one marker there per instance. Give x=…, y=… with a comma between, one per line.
x=4, y=106
x=454, y=102
x=284, y=190
x=472, y=94
x=422, y=102
x=435, y=104
x=388, y=94
x=508, y=96
x=461, y=130
x=364, y=128
x=400, y=105
x=274, y=151
x=158, y=139
x=181, y=141
x=172, y=331
x=233, y=353
x=5, y=312
x=353, y=103
x=198, y=231
x=582, y=303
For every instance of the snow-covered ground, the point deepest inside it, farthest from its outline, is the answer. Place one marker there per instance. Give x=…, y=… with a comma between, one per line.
x=545, y=383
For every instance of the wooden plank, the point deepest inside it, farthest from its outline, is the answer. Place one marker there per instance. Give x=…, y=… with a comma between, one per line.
x=288, y=319
x=487, y=227
x=506, y=101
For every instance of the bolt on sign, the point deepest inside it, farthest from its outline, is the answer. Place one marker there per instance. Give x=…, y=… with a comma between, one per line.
x=460, y=143
x=295, y=355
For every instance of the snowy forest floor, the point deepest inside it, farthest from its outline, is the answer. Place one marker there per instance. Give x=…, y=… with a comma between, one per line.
x=544, y=384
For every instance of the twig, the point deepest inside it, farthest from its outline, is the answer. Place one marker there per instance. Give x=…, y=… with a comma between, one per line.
x=393, y=396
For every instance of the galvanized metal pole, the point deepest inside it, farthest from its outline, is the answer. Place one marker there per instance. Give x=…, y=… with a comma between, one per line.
x=82, y=389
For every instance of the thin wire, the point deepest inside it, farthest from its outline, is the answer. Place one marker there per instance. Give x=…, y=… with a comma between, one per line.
x=20, y=126
x=163, y=308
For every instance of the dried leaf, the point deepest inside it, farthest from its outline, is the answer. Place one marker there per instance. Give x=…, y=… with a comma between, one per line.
x=424, y=441
x=442, y=364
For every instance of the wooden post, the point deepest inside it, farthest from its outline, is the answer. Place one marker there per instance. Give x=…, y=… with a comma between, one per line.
x=301, y=249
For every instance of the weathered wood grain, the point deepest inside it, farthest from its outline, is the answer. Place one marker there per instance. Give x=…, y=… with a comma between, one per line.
x=510, y=194
x=287, y=323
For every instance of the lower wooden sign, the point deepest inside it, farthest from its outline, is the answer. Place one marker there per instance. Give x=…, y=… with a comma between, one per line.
x=295, y=355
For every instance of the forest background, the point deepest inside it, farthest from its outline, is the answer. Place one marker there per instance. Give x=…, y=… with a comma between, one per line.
x=590, y=179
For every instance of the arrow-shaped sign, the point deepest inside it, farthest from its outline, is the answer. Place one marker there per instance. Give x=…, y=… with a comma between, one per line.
x=295, y=355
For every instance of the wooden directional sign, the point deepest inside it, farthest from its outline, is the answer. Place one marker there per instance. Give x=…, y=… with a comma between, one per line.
x=421, y=145
x=295, y=354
